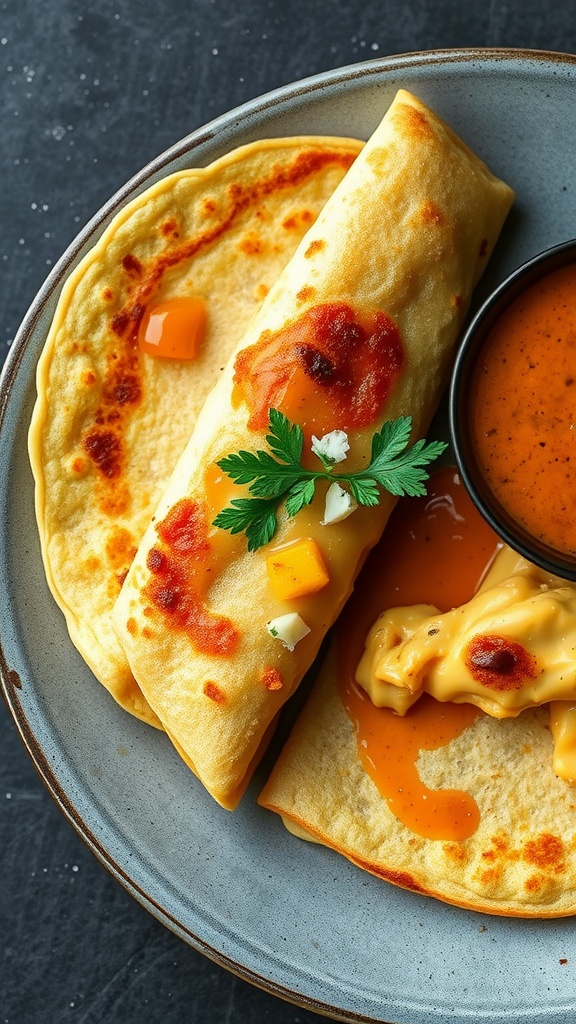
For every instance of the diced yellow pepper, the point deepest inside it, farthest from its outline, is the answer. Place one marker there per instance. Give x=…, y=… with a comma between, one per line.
x=297, y=569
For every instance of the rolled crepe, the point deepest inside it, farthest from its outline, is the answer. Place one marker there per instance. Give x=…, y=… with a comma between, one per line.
x=382, y=281
x=110, y=422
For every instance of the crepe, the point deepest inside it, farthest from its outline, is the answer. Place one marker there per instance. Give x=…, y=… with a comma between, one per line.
x=518, y=862
x=110, y=422
x=445, y=800
x=383, y=280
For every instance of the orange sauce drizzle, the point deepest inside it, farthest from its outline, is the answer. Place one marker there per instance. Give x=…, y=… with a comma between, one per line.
x=435, y=550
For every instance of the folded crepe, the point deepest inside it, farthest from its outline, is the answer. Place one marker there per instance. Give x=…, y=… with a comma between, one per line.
x=519, y=861
x=445, y=800
x=110, y=421
x=357, y=330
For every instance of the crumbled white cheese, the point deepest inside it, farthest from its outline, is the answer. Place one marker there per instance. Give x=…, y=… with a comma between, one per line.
x=332, y=447
x=339, y=504
x=288, y=628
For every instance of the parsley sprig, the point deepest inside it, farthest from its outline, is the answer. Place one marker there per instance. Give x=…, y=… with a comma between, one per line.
x=278, y=476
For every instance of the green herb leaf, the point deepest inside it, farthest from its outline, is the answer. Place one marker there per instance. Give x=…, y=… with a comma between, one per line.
x=256, y=517
x=300, y=495
x=364, y=490
x=267, y=477
x=400, y=470
x=286, y=439
x=278, y=476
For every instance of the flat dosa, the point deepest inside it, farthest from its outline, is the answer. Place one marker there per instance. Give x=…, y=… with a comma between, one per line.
x=520, y=861
x=518, y=856
x=223, y=233
x=407, y=232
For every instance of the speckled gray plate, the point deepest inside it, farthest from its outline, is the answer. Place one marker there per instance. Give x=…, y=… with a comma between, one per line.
x=295, y=919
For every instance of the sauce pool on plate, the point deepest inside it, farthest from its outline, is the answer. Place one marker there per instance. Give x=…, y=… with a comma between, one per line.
x=435, y=550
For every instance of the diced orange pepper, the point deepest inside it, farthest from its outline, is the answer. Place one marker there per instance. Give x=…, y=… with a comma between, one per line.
x=297, y=569
x=173, y=329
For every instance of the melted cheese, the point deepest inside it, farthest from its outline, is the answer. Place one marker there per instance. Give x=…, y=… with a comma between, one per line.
x=511, y=647
x=563, y=728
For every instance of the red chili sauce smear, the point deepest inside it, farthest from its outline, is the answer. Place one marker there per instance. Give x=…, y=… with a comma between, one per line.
x=524, y=409
x=180, y=565
x=500, y=663
x=103, y=441
x=329, y=369
x=434, y=551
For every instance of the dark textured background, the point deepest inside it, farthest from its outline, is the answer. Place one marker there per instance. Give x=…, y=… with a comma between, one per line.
x=87, y=97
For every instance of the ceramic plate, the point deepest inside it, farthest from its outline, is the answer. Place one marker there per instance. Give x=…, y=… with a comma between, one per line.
x=295, y=919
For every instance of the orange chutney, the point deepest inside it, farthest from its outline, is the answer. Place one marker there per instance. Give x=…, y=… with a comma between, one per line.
x=523, y=409
x=435, y=550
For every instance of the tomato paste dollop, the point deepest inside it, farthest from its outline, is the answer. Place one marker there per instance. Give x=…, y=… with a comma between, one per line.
x=328, y=369
x=180, y=566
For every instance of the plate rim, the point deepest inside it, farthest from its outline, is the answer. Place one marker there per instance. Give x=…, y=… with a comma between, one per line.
x=9, y=682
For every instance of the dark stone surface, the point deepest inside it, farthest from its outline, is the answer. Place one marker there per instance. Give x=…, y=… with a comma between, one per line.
x=87, y=96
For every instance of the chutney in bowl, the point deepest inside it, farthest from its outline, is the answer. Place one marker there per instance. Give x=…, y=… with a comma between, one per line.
x=513, y=410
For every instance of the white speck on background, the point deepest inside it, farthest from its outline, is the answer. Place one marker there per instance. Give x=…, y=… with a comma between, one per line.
x=214, y=51
x=375, y=46
x=3, y=40
x=8, y=796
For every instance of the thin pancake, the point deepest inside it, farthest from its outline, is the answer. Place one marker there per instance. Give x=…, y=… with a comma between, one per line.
x=444, y=800
x=405, y=237
x=518, y=862
x=109, y=423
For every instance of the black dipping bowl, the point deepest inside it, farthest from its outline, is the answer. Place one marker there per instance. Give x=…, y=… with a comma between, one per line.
x=511, y=532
